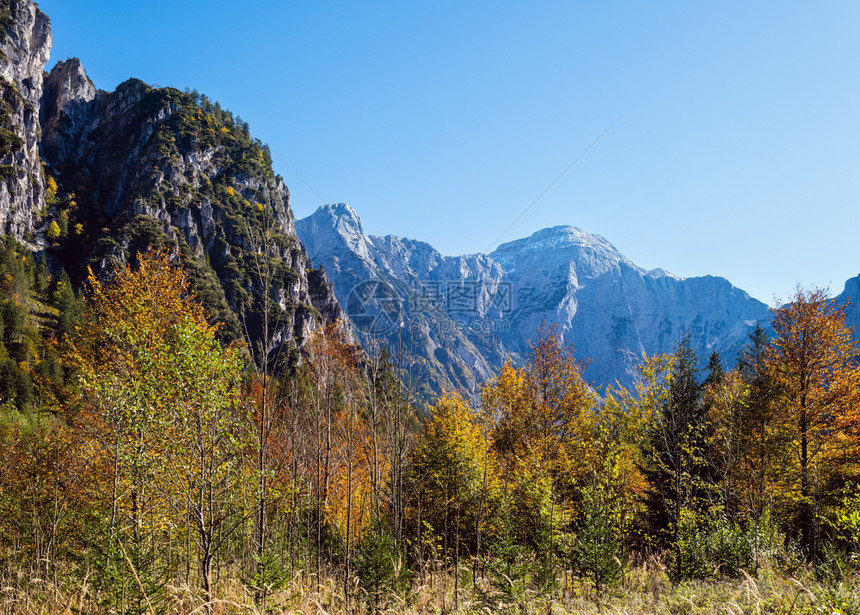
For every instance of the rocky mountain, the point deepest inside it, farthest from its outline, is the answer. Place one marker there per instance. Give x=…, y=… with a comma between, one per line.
x=92, y=177
x=398, y=292
x=612, y=310
x=850, y=298
x=484, y=309
x=25, y=41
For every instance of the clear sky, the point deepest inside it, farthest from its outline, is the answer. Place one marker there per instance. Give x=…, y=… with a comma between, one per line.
x=736, y=150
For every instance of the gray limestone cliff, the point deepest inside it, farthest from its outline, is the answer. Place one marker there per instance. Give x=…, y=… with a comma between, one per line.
x=145, y=166
x=469, y=314
x=25, y=43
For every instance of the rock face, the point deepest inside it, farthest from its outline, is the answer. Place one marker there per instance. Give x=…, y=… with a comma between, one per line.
x=850, y=298
x=91, y=177
x=477, y=311
x=67, y=104
x=25, y=42
x=147, y=166
x=397, y=292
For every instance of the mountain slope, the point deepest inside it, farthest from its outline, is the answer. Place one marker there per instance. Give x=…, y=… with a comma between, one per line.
x=395, y=291
x=88, y=178
x=564, y=277
x=155, y=166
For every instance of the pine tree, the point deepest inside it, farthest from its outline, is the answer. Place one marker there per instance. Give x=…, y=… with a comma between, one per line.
x=715, y=370
x=761, y=447
x=675, y=454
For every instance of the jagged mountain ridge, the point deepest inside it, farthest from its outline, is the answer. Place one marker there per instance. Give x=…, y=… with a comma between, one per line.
x=389, y=286
x=611, y=309
x=91, y=177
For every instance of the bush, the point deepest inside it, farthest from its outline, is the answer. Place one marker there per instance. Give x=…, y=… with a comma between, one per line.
x=379, y=566
x=595, y=552
x=721, y=546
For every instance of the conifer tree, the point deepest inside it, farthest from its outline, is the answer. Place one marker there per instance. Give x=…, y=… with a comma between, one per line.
x=675, y=454
x=761, y=450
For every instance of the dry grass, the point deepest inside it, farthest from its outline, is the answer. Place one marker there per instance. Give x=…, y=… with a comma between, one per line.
x=645, y=589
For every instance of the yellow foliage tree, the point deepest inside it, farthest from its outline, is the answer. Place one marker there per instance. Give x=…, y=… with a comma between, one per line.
x=812, y=364
x=458, y=475
x=159, y=399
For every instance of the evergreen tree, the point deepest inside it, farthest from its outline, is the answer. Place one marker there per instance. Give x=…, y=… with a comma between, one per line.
x=751, y=361
x=761, y=446
x=675, y=454
x=715, y=370
x=69, y=309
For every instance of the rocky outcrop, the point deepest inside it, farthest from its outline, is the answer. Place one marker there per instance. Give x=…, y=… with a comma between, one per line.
x=66, y=109
x=466, y=315
x=406, y=295
x=145, y=166
x=25, y=42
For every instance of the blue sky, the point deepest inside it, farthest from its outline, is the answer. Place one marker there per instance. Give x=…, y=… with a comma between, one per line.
x=736, y=150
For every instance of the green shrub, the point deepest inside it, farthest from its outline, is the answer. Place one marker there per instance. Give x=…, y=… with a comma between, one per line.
x=378, y=565
x=595, y=553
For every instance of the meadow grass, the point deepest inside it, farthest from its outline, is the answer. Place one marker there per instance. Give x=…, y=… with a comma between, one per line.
x=646, y=589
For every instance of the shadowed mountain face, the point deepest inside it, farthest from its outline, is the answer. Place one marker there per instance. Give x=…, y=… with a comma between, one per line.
x=466, y=315
x=850, y=298
x=88, y=178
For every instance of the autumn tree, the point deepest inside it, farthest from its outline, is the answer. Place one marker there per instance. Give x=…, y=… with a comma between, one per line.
x=675, y=454
x=762, y=450
x=331, y=379
x=726, y=400
x=543, y=416
x=812, y=363
x=263, y=319
x=158, y=397
x=456, y=470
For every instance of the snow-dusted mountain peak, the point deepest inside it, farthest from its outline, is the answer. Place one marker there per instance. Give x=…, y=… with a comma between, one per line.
x=331, y=226
x=558, y=237
x=590, y=254
x=344, y=218
x=467, y=315
x=662, y=273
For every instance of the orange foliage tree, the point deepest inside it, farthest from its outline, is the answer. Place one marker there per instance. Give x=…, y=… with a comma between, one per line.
x=812, y=363
x=543, y=416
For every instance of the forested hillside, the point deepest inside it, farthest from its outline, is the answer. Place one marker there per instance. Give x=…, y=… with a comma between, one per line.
x=164, y=475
